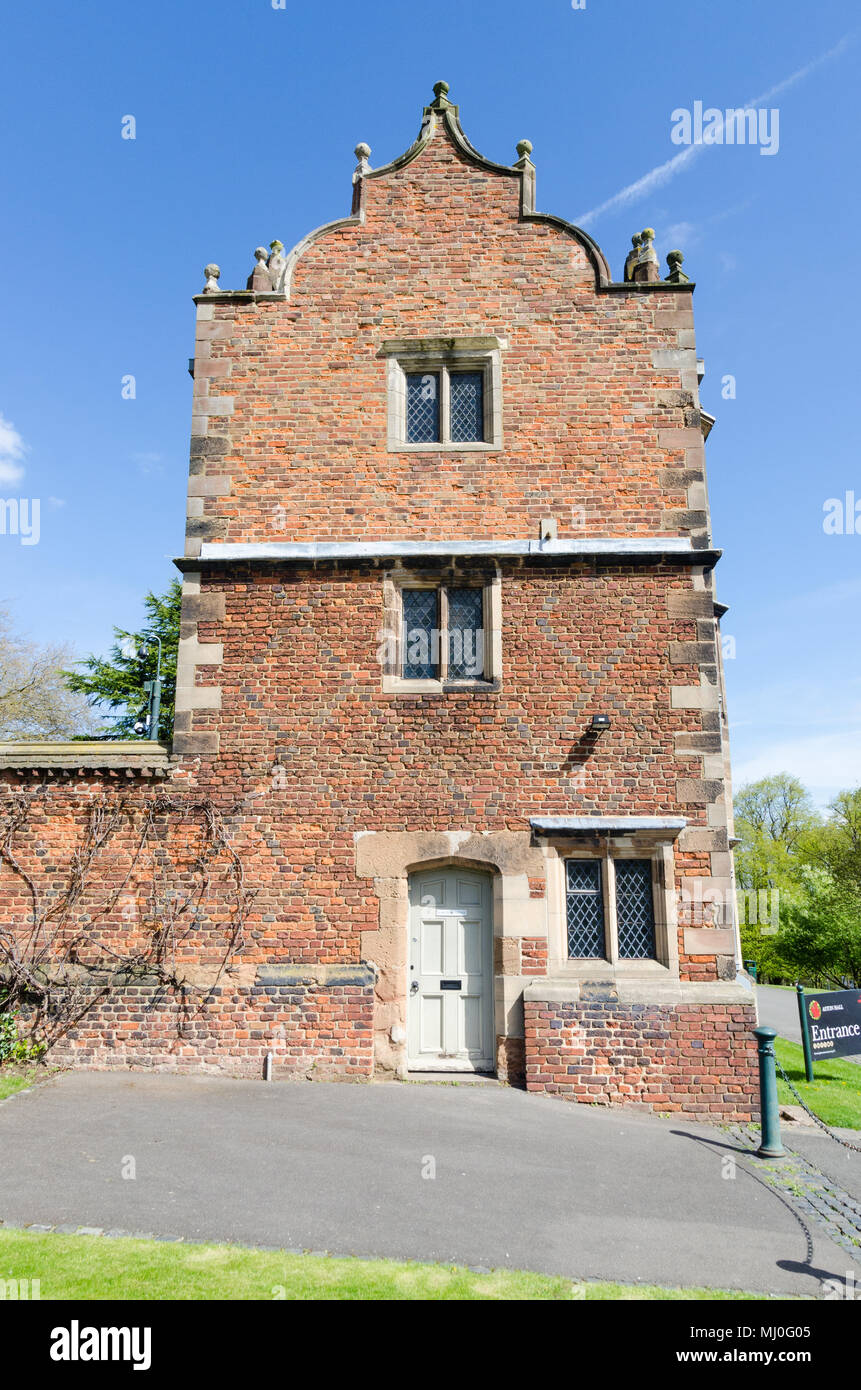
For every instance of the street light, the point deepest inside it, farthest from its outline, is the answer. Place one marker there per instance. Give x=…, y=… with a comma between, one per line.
x=148, y=719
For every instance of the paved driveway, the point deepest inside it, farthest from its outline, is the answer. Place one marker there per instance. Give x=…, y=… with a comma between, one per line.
x=521, y=1181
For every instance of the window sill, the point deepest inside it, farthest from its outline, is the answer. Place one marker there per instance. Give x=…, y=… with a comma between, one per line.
x=604, y=970
x=399, y=446
x=396, y=685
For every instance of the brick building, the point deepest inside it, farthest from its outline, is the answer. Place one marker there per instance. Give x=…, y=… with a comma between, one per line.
x=450, y=674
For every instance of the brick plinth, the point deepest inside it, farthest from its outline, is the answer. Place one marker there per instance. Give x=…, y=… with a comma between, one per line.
x=696, y=1058
x=317, y=1032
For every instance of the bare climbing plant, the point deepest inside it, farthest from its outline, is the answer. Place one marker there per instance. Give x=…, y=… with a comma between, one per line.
x=58, y=964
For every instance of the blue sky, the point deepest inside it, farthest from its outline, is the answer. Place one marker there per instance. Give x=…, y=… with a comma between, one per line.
x=246, y=119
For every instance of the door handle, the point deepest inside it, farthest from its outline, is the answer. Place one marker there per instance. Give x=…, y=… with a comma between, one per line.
x=414, y=987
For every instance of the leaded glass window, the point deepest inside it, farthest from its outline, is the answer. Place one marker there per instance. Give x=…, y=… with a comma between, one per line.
x=635, y=913
x=421, y=634
x=445, y=405
x=465, y=634
x=466, y=406
x=442, y=634
x=423, y=397
x=584, y=904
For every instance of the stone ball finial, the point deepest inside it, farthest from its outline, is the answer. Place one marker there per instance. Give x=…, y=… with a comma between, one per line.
x=524, y=147
x=362, y=151
x=440, y=89
x=676, y=276
x=648, y=234
x=212, y=273
x=261, y=254
x=276, y=245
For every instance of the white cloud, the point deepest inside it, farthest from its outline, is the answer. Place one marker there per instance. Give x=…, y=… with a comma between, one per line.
x=680, y=233
x=12, y=450
x=663, y=173
x=148, y=463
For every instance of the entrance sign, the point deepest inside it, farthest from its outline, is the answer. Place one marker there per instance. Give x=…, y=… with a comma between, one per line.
x=833, y=1021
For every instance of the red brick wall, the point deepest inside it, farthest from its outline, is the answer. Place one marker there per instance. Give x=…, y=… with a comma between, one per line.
x=443, y=252
x=696, y=1058
x=301, y=686
x=313, y=1032
x=311, y=751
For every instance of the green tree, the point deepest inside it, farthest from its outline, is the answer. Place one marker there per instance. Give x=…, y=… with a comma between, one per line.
x=776, y=824
x=821, y=936
x=118, y=681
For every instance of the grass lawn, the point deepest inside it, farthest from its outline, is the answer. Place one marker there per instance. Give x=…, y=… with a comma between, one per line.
x=834, y=1095
x=17, y=1078
x=94, y=1267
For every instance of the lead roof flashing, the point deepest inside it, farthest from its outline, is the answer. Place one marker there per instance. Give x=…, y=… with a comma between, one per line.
x=632, y=548
x=666, y=826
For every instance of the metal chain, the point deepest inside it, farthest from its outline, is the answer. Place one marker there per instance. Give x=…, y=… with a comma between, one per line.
x=856, y=1148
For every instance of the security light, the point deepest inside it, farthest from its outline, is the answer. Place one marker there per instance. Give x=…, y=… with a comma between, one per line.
x=600, y=721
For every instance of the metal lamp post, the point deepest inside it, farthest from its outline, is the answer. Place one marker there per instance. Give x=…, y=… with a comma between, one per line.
x=152, y=689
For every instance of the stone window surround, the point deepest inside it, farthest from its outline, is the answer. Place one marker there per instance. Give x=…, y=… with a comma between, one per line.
x=443, y=355
x=660, y=852
x=450, y=576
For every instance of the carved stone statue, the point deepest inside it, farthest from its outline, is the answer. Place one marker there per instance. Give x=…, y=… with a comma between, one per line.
x=277, y=264
x=260, y=280
x=648, y=266
x=631, y=258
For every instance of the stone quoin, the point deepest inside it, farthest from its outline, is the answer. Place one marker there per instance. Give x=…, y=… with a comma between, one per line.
x=450, y=672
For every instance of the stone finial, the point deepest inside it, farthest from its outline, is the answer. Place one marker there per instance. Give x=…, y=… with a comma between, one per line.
x=676, y=276
x=440, y=91
x=260, y=280
x=647, y=266
x=212, y=274
x=631, y=258
x=524, y=148
x=277, y=265
x=362, y=153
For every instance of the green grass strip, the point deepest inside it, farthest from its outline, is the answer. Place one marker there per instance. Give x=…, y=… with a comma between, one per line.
x=95, y=1267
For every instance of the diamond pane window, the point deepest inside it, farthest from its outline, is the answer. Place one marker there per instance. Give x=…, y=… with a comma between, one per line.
x=635, y=913
x=466, y=390
x=422, y=407
x=421, y=634
x=465, y=634
x=584, y=908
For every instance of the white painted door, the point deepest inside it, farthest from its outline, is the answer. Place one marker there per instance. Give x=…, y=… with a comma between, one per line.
x=450, y=1004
